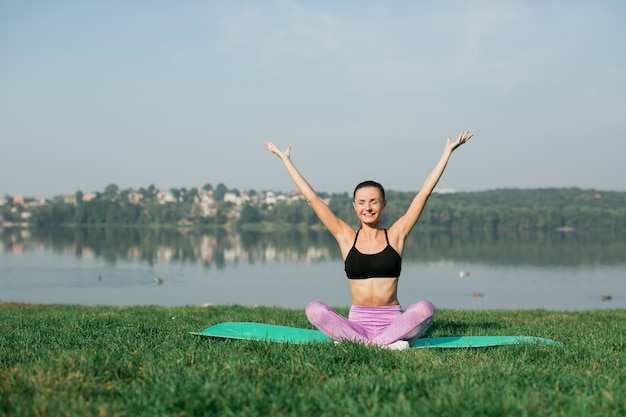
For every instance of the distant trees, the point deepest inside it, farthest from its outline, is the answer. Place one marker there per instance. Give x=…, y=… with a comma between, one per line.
x=250, y=214
x=111, y=192
x=485, y=211
x=502, y=210
x=219, y=192
x=148, y=194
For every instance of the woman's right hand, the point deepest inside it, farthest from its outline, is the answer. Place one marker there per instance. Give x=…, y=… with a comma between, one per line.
x=464, y=136
x=269, y=146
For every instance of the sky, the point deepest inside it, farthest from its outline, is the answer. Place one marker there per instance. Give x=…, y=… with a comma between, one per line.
x=184, y=93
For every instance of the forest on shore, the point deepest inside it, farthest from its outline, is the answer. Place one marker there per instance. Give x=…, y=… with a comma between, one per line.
x=493, y=210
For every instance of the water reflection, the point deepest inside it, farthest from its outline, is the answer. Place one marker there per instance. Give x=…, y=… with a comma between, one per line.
x=129, y=266
x=217, y=248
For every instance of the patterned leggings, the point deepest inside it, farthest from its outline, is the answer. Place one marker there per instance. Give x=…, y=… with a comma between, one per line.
x=378, y=325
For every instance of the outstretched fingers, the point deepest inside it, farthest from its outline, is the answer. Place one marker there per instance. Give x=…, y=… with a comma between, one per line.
x=464, y=136
x=269, y=146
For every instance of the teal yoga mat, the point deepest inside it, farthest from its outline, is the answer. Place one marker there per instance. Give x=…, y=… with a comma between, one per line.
x=285, y=334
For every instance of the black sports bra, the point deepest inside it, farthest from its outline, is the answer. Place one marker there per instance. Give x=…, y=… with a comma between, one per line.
x=384, y=264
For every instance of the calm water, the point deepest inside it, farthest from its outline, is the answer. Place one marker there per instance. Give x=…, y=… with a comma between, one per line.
x=121, y=267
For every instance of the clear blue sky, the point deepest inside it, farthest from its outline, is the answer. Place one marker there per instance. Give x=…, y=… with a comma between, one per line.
x=183, y=93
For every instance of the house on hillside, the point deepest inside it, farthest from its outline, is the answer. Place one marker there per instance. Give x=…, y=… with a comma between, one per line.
x=165, y=196
x=270, y=197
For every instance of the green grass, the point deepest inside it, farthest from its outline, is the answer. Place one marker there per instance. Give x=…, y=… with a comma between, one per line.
x=140, y=361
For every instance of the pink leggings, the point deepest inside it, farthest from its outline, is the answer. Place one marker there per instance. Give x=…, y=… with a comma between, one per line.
x=379, y=325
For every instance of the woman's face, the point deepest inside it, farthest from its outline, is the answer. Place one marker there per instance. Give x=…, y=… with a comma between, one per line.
x=369, y=205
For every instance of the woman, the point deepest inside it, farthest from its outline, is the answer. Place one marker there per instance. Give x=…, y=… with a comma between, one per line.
x=373, y=259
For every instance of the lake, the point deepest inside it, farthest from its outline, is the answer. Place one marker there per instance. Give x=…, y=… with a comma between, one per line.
x=131, y=266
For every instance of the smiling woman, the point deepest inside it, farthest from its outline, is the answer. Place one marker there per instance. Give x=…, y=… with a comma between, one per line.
x=373, y=261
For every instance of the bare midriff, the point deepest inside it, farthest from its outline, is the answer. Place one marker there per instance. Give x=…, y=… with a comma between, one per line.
x=374, y=291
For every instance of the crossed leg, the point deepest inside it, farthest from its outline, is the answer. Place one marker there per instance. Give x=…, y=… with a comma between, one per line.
x=333, y=324
x=409, y=325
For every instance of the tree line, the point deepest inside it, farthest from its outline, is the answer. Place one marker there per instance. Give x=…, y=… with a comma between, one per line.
x=497, y=210
x=488, y=211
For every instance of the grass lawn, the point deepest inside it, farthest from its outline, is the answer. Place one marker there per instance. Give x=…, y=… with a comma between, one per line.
x=141, y=361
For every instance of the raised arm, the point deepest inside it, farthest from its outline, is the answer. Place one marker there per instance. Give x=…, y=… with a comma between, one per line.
x=405, y=223
x=337, y=227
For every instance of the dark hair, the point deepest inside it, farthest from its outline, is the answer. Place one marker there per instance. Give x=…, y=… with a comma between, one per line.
x=369, y=184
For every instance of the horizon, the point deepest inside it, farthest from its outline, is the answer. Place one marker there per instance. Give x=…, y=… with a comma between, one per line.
x=438, y=190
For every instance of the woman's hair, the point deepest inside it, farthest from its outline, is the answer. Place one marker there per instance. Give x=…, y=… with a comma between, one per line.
x=369, y=184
